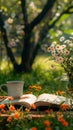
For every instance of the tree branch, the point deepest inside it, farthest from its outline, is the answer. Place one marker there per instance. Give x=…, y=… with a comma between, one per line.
x=39, y=18
x=47, y=27
x=68, y=10
x=24, y=11
x=5, y=38
x=63, y=12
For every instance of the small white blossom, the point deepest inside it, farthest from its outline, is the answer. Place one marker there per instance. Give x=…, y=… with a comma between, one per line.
x=53, y=53
x=63, y=46
x=67, y=41
x=52, y=49
x=66, y=52
x=60, y=51
x=60, y=59
x=59, y=32
x=62, y=38
x=10, y=20
x=58, y=47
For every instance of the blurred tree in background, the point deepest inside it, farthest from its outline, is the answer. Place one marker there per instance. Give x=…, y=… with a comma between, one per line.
x=28, y=25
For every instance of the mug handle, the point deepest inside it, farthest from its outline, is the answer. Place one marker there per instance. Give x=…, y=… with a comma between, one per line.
x=2, y=89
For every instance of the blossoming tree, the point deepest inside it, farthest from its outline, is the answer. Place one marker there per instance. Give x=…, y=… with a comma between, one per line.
x=27, y=23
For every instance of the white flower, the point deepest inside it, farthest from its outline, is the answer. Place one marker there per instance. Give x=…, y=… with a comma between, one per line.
x=57, y=14
x=66, y=52
x=52, y=66
x=63, y=46
x=60, y=51
x=53, y=53
x=10, y=20
x=67, y=41
x=62, y=38
x=58, y=47
x=59, y=32
x=60, y=59
x=52, y=48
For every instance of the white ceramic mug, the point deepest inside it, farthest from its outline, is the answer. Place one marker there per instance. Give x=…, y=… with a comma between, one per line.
x=15, y=88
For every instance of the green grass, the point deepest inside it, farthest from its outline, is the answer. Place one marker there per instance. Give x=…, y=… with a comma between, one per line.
x=45, y=72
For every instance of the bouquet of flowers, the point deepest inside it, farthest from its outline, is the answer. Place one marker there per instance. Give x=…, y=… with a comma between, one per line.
x=62, y=52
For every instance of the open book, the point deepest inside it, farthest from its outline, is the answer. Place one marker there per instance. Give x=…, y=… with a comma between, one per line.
x=42, y=100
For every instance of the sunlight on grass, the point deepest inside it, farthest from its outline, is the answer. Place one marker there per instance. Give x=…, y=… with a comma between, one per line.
x=43, y=60
x=5, y=65
x=46, y=62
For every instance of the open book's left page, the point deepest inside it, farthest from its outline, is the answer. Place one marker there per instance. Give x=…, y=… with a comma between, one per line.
x=26, y=100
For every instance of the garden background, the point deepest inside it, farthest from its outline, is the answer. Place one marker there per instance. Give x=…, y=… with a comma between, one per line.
x=27, y=31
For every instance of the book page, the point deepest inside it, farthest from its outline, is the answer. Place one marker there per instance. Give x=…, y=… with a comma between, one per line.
x=52, y=99
x=25, y=100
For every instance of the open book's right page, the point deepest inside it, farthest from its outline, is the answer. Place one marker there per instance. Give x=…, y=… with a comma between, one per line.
x=45, y=99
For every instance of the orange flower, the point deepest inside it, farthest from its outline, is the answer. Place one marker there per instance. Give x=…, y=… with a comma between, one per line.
x=60, y=92
x=11, y=108
x=10, y=98
x=46, y=123
x=31, y=87
x=2, y=110
x=33, y=128
x=33, y=106
x=58, y=113
x=9, y=119
x=60, y=118
x=64, y=123
x=38, y=88
x=48, y=128
x=47, y=111
x=65, y=106
x=2, y=106
x=16, y=115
